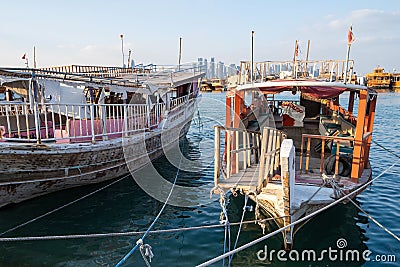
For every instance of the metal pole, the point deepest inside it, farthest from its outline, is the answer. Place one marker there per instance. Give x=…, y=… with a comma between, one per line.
x=347, y=64
x=122, y=48
x=296, y=51
x=34, y=57
x=252, y=56
x=308, y=52
x=180, y=53
x=35, y=109
x=129, y=57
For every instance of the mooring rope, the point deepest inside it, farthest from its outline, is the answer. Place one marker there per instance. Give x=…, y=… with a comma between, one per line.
x=386, y=149
x=122, y=261
x=336, y=187
x=216, y=259
x=225, y=222
x=374, y=220
x=63, y=206
x=131, y=233
x=246, y=197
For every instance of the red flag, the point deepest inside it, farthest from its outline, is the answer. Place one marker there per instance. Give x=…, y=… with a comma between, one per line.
x=24, y=56
x=297, y=49
x=350, y=36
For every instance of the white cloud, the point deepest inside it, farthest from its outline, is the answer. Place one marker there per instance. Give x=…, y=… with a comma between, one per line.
x=88, y=48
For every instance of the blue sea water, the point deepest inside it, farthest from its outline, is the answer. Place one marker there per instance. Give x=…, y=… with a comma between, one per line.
x=124, y=206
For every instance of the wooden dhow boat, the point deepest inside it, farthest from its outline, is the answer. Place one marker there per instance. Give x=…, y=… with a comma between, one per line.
x=69, y=126
x=293, y=141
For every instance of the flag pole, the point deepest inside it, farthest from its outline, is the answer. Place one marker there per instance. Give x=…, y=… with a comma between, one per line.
x=350, y=39
x=252, y=57
x=347, y=64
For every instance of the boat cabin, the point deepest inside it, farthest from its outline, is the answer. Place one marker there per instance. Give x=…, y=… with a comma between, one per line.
x=297, y=138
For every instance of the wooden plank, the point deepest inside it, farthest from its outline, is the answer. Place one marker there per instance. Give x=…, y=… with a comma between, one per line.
x=308, y=153
x=243, y=179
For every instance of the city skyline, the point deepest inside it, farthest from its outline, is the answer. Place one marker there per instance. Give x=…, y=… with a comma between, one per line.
x=88, y=32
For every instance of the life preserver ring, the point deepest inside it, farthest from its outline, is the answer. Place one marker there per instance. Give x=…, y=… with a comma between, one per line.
x=344, y=165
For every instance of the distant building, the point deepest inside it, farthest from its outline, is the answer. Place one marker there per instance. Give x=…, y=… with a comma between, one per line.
x=215, y=70
x=212, y=68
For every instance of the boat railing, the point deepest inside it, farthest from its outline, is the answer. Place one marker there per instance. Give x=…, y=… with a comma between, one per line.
x=64, y=123
x=342, y=145
x=270, y=155
x=332, y=70
x=178, y=101
x=244, y=149
x=241, y=150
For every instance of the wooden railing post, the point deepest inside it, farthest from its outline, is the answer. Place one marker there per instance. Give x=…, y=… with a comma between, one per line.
x=358, y=138
x=91, y=122
x=126, y=126
x=301, y=153
x=248, y=149
x=262, y=158
x=337, y=158
x=288, y=173
x=236, y=154
x=228, y=153
x=321, y=166
x=244, y=150
x=217, y=160
x=308, y=153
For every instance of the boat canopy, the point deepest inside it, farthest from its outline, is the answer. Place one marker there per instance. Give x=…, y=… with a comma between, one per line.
x=312, y=88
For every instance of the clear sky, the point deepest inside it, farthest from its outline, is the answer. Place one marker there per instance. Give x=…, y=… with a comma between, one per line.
x=88, y=32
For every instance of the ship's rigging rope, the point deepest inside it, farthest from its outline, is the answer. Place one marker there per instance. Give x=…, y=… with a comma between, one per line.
x=216, y=259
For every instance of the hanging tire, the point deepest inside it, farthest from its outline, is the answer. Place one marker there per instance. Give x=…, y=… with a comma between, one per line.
x=344, y=165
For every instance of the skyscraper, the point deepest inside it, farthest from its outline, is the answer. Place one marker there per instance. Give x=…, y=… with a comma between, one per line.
x=212, y=67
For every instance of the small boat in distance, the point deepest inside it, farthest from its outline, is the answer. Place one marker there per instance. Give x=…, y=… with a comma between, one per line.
x=396, y=82
x=70, y=126
x=292, y=143
x=382, y=81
